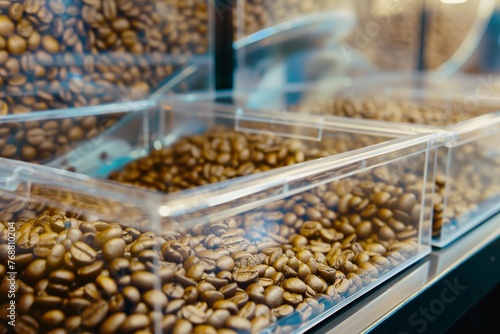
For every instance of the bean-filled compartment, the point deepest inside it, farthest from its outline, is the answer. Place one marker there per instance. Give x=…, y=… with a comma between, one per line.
x=467, y=187
x=387, y=34
x=41, y=137
x=45, y=135
x=174, y=145
x=254, y=15
x=270, y=252
x=453, y=31
x=56, y=54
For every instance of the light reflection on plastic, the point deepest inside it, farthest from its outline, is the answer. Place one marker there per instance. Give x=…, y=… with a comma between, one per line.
x=448, y=2
x=164, y=210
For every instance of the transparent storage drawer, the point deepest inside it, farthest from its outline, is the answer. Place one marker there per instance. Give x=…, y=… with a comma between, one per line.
x=467, y=184
x=57, y=54
x=270, y=252
x=42, y=136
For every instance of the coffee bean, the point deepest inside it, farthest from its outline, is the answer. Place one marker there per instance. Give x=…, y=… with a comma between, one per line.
x=113, y=323
x=6, y=26
x=144, y=280
x=132, y=295
x=273, y=296
x=62, y=276
x=90, y=272
x=282, y=311
x=82, y=254
x=294, y=285
x=182, y=326
x=107, y=284
x=242, y=276
x=52, y=318
x=173, y=290
x=316, y=283
x=210, y=297
x=26, y=301
x=113, y=249
x=36, y=271
x=239, y=324
x=133, y=323
x=94, y=314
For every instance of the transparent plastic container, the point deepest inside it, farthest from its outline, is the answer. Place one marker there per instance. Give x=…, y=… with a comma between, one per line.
x=466, y=107
x=42, y=136
x=58, y=54
x=270, y=252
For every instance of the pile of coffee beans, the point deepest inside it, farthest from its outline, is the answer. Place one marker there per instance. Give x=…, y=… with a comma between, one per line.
x=448, y=26
x=475, y=168
x=271, y=268
x=387, y=33
x=221, y=154
x=41, y=141
x=394, y=110
x=261, y=14
x=55, y=54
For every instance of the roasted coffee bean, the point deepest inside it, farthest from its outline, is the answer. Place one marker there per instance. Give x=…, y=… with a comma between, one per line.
x=82, y=254
x=210, y=297
x=273, y=296
x=228, y=305
x=182, y=326
x=173, y=290
x=62, y=276
x=113, y=323
x=52, y=319
x=240, y=298
x=294, y=285
x=282, y=311
x=94, y=314
x=133, y=323
x=195, y=315
x=107, y=284
x=243, y=276
x=316, y=283
x=219, y=317
x=132, y=295
x=144, y=280
x=239, y=324
x=113, y=249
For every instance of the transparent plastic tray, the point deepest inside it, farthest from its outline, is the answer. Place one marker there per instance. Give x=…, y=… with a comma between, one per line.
x=270, y=252
x=466, y=107
x=42, y=136
x=62, y=54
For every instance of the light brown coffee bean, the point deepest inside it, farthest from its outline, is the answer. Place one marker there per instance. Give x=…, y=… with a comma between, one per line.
x=82, y=254
x=6, y=26
x=239, y=324
x=112, y=323
x=16, y=45
x=144, y=280
x=294, y=285
x=133, y=323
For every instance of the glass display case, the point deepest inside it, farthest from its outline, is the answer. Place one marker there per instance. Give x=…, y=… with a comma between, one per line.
x=466, y=107
x=58, y=54
x=273, y=251
x=42, y=136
